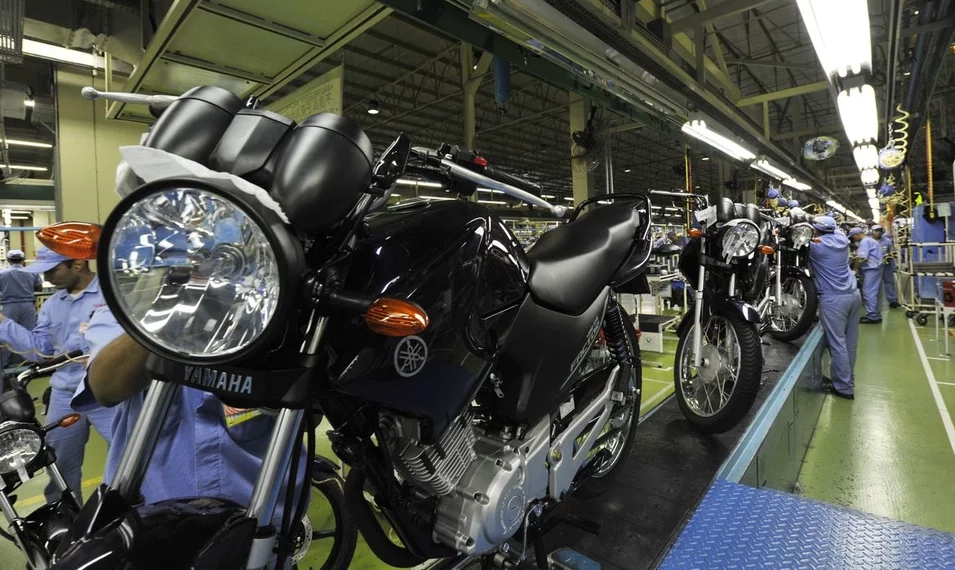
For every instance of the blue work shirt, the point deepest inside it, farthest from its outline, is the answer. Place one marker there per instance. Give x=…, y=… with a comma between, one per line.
x=17, y=286
x=197, y=454
x=60, y=328
x=829, y=262
x=871, y=252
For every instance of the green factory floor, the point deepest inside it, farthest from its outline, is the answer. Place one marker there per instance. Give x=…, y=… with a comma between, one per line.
x=891, y=451
x=658, y=384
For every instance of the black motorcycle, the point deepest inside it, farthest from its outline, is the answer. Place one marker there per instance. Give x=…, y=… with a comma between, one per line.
x=719, y=362
x=23, y=455
x=467, y=380
x=789, y=302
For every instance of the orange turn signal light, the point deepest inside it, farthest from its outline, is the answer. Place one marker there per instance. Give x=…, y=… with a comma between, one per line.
x=396, y=317
x=766, y=250
x=695, y=232
x=76, y=240
x=68, y=420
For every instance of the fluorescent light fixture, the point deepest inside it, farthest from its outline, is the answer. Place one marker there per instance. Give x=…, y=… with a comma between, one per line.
x=569, y=199
x=870, y=176
x=61, y=54
x=19, y=217
x=29, y=103
x=491, y=190
x=836, y=206
x=499, y=202
x=859, y=115
x=797, y=185
x=24, y=167
x=767, y=167
x=839, y=30
x=626, y=170
x=698, y=129
x=705, y=158
x=15, y=142
x=437, y=198
x=870, y=192
x=548, y=196
x=421, y=183
x=867, y=156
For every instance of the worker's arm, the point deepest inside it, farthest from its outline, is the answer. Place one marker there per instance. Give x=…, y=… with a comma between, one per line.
x=33, y=345
x=38, y=283
x=118, y=371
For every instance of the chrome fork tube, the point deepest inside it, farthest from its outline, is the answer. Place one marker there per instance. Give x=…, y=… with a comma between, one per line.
x=274, y=465
x=142, y=442
x=698, y=308
x=34, y=560
x=733, y=285
x=779, y=277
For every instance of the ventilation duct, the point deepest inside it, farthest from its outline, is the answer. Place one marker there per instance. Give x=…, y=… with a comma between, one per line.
x=11, y=30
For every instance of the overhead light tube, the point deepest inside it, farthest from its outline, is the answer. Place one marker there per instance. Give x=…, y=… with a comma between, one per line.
x=870, y=176
x=15, y=142
x=767, y=167
x=421, y=183
x=859, y=115
x=839, y=31
x=866, y=156
x=61, y=54
x=797, y=185
x=25, y=167
x=699, y=130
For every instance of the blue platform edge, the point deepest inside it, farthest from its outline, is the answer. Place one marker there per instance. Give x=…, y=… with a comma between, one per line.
x=737, y=526
x=745, y=451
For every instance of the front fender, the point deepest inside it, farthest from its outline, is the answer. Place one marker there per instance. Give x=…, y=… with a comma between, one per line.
x=718, y=303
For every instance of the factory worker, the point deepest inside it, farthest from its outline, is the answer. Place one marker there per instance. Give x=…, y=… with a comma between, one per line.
x=868, y=258
x=888, y=265
x=839, y=302
x=17, y=288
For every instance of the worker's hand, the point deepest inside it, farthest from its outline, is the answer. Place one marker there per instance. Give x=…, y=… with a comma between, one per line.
x=1, y=317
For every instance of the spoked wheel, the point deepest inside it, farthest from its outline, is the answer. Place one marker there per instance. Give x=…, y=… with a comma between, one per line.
x=617, y=434
x=325, y=538
x=792, y=316
x=718, y=394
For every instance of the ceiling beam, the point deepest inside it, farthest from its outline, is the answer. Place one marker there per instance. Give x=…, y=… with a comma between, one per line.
x=770, y=63
x=723, y=10
x=783, y=94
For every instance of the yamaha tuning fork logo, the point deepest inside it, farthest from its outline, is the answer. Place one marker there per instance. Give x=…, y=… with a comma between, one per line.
x=411, y=354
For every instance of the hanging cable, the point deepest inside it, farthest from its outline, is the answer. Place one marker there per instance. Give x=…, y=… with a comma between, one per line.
x=928, y=160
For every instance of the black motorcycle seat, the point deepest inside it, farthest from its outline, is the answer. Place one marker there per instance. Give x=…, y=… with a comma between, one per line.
x=667, y=250
x=571, y=264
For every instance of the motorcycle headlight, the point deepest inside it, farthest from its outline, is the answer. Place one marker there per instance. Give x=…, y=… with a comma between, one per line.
x=19, y=446
x=801, y=234
x=740, y=238
x=198, y=272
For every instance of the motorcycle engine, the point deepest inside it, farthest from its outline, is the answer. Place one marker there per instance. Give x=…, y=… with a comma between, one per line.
x=480, y=481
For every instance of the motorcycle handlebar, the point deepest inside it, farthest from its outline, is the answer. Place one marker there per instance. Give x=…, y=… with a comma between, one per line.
x=514, y=181
x=159, y=101
x=47, y=366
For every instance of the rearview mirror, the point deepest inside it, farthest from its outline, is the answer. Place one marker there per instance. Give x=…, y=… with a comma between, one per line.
x=391, y=164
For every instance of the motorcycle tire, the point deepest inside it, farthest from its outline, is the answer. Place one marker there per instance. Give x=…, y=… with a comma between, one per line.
x=598, y=484
x=345, y=533
x=808, y=313
x=747, y=385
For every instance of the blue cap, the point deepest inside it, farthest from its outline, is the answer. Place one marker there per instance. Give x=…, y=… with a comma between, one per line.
x=15, y=254
x=45, y=261
x=856, y=231
x=824, y=224
x=773, y=193
x=793, y=204
x=878, y=228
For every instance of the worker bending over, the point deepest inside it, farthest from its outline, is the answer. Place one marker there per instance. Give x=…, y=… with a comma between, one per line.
x=888, y=265
x=868, y=258
x=839, y=303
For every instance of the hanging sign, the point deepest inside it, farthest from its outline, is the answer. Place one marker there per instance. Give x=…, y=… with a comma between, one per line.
x=324, y=94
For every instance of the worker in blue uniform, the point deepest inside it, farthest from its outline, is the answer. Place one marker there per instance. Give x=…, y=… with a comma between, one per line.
x=868, y=259
x=839, y=302
x=889, y=265
x=61, y=328
x=17, y=288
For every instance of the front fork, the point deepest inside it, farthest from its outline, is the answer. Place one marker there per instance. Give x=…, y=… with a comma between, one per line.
x=142, y=445
x=698, y=308
x=17, y=525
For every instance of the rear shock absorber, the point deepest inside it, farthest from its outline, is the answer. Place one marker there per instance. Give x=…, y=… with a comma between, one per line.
x=616, y=333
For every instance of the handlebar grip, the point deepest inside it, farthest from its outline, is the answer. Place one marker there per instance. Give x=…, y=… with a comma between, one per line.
x=72, y=355
x=514, y=181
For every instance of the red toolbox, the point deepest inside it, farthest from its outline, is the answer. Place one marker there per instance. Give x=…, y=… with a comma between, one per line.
x=948, y=293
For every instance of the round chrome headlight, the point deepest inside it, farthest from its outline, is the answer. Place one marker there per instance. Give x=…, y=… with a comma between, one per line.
x=740, y=239
x=197, y=272
x=801, y=234
x=19, y=446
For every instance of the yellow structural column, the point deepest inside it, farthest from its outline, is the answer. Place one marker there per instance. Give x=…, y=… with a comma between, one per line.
x=582, y=179
x=87, y=148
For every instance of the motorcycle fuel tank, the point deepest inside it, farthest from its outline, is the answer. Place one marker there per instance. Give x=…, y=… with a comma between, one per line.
x=463, y=266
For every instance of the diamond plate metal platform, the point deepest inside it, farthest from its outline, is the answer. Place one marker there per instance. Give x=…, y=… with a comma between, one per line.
x=737, y=526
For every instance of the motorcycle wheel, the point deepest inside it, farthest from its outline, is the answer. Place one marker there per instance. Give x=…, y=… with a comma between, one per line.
x=313, y=541
x=625, y=421
x=718, y=395
x=789, y=326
